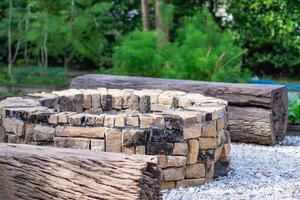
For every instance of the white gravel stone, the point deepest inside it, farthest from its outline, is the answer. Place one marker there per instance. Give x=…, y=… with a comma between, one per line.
x=257, y=172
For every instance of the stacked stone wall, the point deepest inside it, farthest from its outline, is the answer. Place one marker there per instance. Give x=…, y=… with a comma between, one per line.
x=187, y=131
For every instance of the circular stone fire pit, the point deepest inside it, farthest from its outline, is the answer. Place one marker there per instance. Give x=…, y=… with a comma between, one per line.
x=187, y=131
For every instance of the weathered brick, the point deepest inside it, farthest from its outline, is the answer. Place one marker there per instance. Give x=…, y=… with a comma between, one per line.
x=167, y=185
x=208, y=143
x=109, y=121
x=209, y=130
x=190, y=182
x=140, y=150
x=165, y=99
x=192, y=156
x=160, y=107
x=53, y=119
x=180, y=149
x=134, y=102
x=145, y=104
x=90, y=120
x=193, y=131
x=120, y=120
x=158, y=120
x=132, y=120
x=14, y=126
x=76, y=143
x=134, y=137
x=195, y=170
x=43, y=133
x=99, y=120
x=87, y=101
x=106, y=102
x=220, y=123
x=145, y=121
x=76, y=119
x=97, y=145
x=162, y=161
x=176, y=161
x=113, y=140
x=128, y=150
x=159, y=148
x=91, y=132
x=174, y=174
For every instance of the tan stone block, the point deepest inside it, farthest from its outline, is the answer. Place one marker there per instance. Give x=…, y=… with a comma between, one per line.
x=186, y=117
x=165, y=99
x=190, y=182
x=53, y=119
x=162, y=161
x=132, y=120
x=134, y=102
x=140, y=150
x=90, y=120
x=158, y=120
x=208, y=143
x=180, y=149
x=145, y=121
x=96, y=102
x=195, y=171
x=91, y=132
x=117, y=98
x=217, y=154
x=120, y=120
x=75, y=143
x=153, y=93
x=176, y=161
x=113, y=140
x=29, y=130
x=174, y=174
x=97, y=145
x=87, y=101
x=193, y=131
x=167, y=185
x=14, y=126
x=109, y=121
x=220, y=123
x=59, y=130
x=43, y=133
x=192, y=156
x=99, y=120
x=64, y=116
x=210, y=171
x=76, y=119
x=209, y=130
x=160, y=107
x=128, y=150
x=225, y=155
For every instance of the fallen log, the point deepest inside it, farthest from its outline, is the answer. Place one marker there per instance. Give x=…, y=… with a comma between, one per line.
x=32, y=172
x=258, y=103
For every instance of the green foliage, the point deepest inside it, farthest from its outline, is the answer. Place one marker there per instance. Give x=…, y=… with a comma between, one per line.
x=294, y=108
x=201, y=51
x=270, y=30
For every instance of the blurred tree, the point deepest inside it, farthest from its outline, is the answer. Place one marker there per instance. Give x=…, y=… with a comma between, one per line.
x=270, y=30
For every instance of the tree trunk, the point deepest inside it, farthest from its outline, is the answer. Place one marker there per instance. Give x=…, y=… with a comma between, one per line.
x=145, y=15
x=248, y=103
x=159, y=22
x=33, y=172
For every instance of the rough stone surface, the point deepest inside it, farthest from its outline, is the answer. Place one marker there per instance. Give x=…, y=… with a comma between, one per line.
x=76, y=143
x=174, y=174
x=97, y=145
x=180, y=149
x=113, y=140
x=193, y=150
x=195, y=171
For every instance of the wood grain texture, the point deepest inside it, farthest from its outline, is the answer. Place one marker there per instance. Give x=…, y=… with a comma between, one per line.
x=32, y=172
x=252, y=99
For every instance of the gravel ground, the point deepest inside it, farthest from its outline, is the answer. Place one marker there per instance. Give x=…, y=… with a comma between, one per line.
x=257, y=172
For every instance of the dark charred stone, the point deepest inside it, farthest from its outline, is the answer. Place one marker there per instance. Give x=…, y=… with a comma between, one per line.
x=135, y=102
x=106, y=102
x=19, y=114
x=49, y=102
x=13, y=139
x=174, y=102
x=164, y=135
x=221, y=168
x=159, y=148
x=205, y=156
x=63, y=103
x=139, y=138
x=145, y=104
x=208, y=117
x=78, y=103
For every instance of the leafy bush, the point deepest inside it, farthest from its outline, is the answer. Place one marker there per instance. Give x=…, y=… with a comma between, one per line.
x=294, y=108
x=201, y=51
x=41, y=75
x=269, y=29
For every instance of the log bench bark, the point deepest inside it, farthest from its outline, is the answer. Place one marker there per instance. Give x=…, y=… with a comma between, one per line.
x=257, y=113
x=33, y=172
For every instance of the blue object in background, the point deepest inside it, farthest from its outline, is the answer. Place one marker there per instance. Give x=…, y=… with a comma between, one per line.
x=270, y=82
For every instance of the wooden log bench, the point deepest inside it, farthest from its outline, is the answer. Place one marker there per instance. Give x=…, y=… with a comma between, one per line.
x=257, y=113
x=186, y=131
x=31, y=172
